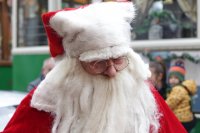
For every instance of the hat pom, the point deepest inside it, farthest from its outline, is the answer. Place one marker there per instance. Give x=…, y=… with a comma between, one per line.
x=180, y=63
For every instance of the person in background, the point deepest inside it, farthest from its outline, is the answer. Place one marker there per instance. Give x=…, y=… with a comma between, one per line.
x=179, y=97
x=48, y=65
x=158, y=77
x=99, y=84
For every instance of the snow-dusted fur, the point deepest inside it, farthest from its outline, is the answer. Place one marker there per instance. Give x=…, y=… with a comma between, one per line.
x=84, y=103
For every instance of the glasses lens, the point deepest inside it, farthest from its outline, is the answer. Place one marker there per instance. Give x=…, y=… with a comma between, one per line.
x=98, y=66
x=121, y=63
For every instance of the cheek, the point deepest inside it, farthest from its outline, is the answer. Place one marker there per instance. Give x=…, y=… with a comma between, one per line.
x=171, y=81
x=87, y=69
x=153, y=78
x=176, y=81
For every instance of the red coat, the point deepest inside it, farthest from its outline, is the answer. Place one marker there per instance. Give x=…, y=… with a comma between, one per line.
x=31, y=120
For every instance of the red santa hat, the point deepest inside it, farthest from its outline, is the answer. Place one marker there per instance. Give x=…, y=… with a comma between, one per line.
x=97, y=31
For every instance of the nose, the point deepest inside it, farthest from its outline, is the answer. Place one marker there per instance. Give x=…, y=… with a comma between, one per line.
x=110, y=71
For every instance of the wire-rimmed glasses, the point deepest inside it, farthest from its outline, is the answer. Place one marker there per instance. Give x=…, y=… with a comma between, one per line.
x=100, y=66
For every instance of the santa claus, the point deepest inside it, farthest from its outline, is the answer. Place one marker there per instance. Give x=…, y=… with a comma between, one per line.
x=99, y=83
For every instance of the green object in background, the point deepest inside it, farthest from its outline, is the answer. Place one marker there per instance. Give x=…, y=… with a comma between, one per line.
x=197, y=127
x=26, y=68
x=5, y=77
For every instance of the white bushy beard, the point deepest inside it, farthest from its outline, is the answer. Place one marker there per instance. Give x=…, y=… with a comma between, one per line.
x=98, y=104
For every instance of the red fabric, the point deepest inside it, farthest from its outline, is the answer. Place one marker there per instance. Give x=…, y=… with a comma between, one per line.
x=30, y=120
x=54, y=40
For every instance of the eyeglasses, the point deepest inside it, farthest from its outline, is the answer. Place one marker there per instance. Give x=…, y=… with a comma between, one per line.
x=98, y=67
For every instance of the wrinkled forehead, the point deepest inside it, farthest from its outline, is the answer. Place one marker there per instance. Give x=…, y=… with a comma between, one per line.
x=105, y=53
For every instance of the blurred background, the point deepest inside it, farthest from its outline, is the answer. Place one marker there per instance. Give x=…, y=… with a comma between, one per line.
x=164, y=30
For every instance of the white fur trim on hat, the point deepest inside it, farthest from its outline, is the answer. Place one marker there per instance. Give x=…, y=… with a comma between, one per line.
x=105, y=53
x=94, y=27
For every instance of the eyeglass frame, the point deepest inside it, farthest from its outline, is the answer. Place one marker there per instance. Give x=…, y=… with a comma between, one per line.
x=91, y=65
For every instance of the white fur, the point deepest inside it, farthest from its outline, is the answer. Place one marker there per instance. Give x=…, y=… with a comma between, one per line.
x=105, y=53
x=96, y=26
x=96, y=104
x=45, y=99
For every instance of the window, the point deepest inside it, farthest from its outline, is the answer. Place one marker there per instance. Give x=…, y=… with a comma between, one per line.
x=166, y=19
x=74, y=3
x=29, y=27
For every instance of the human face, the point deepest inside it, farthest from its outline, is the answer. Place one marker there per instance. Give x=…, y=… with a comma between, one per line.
x=173, y=80
x=108, y=67
x=156, y=77
x=153, y=77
